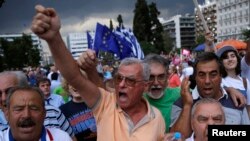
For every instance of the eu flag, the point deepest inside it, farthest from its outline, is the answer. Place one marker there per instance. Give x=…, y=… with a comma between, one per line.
x=105, y=40
x=131, y=41
x=90, y=41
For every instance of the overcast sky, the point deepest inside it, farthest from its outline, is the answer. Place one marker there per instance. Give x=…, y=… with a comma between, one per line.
x=82, y=15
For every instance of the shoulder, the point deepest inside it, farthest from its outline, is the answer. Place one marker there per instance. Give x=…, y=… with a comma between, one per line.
x=178, y=103
x=59, y=134
x=50, y=108
x=4, y=135
x=66, y=105
x=56, y=96
x=227, y=102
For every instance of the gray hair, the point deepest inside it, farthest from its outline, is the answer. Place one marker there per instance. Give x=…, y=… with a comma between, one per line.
x=24, y=88
x=145, y=66
x=20, y=77
x=206, y=101
x=155, y=58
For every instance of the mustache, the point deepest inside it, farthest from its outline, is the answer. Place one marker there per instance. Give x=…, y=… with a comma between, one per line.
x=26, y=123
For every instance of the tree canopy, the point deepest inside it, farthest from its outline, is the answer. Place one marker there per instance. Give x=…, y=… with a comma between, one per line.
x=18, y=53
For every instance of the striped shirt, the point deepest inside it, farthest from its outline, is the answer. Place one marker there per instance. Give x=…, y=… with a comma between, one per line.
x=55, y=118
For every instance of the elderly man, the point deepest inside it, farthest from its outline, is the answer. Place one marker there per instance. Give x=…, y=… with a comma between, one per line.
x=122, y=116
x=9, y=79
x=54, y=117
x=207, y=72
x=158, y=94
x=25, y=113
x=206, y=111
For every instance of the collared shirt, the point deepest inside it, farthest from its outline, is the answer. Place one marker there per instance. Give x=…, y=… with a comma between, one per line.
x=191, y=138
x=3, y=122
x=54, y=100
x=234, y=115
x=113, y=124
x=196, y=95
x=57, y=135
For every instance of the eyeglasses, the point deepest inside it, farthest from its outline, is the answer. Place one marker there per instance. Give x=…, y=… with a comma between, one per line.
x=128, y=81
x=5, y=90
x=160, y=78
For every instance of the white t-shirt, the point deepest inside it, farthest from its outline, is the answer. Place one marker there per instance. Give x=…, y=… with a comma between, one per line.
x=238, y=84
x=245, y=69
x=57, y=135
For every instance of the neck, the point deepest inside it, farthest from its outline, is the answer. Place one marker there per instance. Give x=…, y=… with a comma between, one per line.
x=136, y=114
x=47, y=96
x=77, y=100
x=231, y=73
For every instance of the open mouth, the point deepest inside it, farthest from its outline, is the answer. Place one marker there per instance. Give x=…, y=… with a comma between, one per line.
x=27, y=129
x=123, y=96
x=155, y=89
x=207, y=89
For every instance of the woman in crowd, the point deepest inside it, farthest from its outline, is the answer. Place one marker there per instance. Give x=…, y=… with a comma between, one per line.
x=231, y=72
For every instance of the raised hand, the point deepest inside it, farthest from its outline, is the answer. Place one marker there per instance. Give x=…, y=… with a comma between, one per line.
x=186, y=96
x=87, y=60
x=46, y=23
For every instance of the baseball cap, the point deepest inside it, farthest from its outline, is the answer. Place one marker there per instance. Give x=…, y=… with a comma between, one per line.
x=224, y=49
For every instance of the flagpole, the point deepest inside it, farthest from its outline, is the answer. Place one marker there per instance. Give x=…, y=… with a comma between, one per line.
x=201, y=16
x=204, y=23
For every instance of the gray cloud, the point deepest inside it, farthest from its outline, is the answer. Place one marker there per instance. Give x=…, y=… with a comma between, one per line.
x=80, y=15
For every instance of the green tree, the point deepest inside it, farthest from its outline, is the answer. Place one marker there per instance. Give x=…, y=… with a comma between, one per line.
x=148, y=48
x=120, y=21
x=246, y=34
x=141, y=21
x=32, y=52
x=157, y=28
x=19, y=53
x=168, y=42
x=200, y=40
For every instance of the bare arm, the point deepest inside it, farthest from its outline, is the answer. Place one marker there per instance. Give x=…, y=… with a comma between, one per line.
x=237, y=97
x=209, y=43
x=183, y=123
x=46, y=25
x=89, y=66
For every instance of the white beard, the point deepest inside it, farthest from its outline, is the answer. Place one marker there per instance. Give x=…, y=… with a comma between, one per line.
x=155, y=96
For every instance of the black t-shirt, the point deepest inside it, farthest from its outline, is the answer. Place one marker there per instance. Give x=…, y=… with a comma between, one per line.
x=81, y=120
